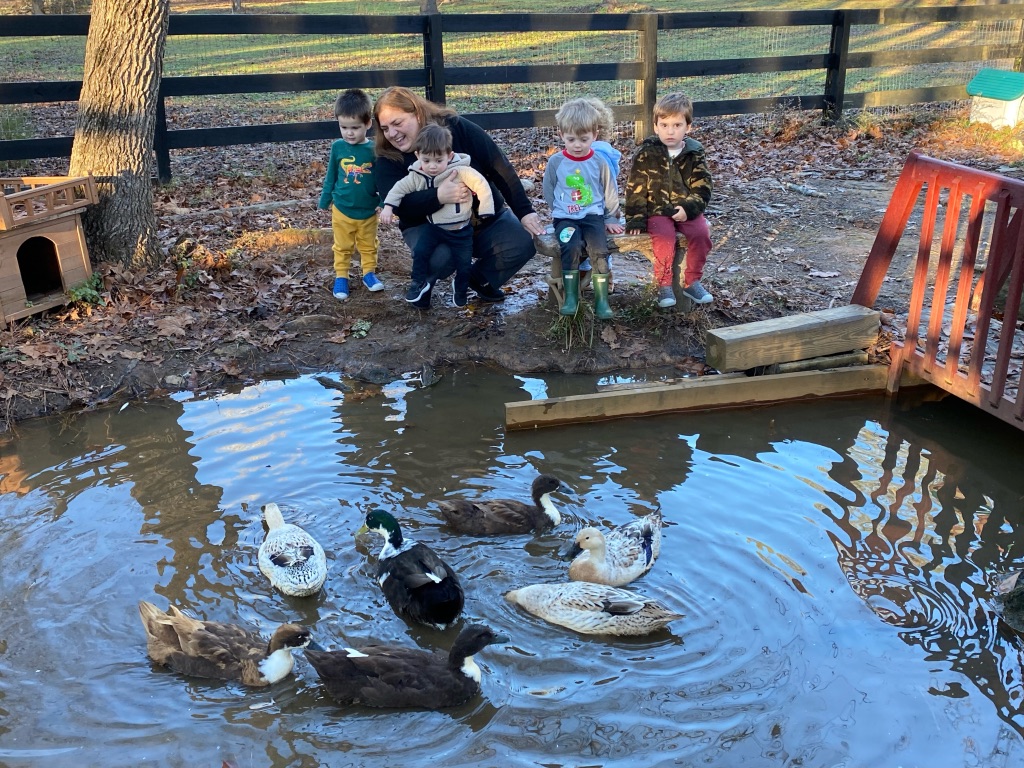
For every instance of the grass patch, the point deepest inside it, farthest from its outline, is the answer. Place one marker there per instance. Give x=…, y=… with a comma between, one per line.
x=574, y=331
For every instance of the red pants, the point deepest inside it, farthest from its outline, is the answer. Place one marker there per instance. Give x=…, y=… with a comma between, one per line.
x=663, y=242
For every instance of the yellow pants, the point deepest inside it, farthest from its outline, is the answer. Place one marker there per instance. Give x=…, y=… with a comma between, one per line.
x=357, y=234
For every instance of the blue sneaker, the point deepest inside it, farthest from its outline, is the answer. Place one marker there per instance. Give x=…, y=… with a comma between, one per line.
x=340, y=289
x=372, y=283
x=695, y=292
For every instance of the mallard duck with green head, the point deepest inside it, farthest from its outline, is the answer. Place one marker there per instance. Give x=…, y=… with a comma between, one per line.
x=220, y=651
x=496, y=516
x=418, y=585
x=293, y=560
x=406, y=678
x=593, y=609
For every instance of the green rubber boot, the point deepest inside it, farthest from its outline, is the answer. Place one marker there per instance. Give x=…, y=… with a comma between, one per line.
x=602, y=309
x=571, y=283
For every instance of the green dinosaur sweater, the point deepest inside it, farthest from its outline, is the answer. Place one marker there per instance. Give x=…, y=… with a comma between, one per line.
x=658, y=183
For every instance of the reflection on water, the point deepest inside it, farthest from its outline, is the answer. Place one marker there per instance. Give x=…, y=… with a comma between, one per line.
x=834, y=562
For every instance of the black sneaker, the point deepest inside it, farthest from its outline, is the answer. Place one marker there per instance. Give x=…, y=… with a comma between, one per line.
x=459, y=299
x=424, y=302
x=416, y=291
x=485, y=291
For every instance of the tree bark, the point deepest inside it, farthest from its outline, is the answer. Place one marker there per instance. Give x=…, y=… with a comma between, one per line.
x=114, y=128
x=236, y=6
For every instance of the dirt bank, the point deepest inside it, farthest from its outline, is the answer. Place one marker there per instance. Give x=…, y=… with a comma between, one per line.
x=244, y=292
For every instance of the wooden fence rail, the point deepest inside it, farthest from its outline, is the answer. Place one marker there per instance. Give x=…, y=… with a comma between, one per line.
x=435, y=78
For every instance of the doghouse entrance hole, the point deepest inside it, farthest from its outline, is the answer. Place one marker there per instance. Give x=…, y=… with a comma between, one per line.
x=39, y=267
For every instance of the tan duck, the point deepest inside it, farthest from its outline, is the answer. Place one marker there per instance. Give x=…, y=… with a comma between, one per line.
x=393, y=676
x=293, y=560
x=490, y=516
x=220, y=651
x=593, y=609
x=619, y=556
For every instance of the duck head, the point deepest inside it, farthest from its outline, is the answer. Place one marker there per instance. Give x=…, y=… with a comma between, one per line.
x=471, y=640
x=383, y=523
x=589, y=539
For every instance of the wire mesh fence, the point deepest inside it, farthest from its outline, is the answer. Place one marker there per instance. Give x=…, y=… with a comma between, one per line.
x=24, y=59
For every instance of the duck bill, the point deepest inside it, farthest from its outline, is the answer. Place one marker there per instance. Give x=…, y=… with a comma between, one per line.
x=313, y=645
x=572, y=552
x=501, y=639
x=362, y=529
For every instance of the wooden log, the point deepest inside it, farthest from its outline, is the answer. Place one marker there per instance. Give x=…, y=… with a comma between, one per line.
x=704, y=393
x=795, y=337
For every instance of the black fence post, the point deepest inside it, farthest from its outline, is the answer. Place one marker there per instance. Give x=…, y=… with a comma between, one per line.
x=835, y=75
x=163, y=154
x=649, y=85
x=433, y=58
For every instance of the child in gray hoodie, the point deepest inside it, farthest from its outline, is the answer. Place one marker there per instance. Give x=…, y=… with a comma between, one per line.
x=436, y=162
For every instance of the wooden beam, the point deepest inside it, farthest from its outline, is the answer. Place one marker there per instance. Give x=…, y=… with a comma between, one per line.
x=705, y=393
x=795, y=337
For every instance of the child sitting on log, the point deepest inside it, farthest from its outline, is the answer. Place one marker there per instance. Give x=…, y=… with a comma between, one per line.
x=580, y=190
x=669, y=188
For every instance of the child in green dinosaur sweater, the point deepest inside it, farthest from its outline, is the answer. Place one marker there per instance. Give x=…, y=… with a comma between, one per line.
x=350, y=192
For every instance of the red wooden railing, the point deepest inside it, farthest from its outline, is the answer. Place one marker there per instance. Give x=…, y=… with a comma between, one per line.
x=974, y=355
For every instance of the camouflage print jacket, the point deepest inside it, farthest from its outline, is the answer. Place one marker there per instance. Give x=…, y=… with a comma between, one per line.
x=658, y=183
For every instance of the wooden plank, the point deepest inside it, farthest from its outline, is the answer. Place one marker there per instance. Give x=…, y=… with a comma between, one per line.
x=704, y=393
x=795, y=337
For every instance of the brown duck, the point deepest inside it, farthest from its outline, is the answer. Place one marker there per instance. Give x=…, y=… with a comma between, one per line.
x=220, y=651
x=405, y=678
x=491, y=516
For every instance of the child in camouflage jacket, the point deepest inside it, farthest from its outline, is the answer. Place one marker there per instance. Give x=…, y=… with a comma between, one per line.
x=668, y=189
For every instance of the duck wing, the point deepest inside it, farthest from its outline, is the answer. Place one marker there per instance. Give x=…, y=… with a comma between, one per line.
x=622, y=606
x=289, y=546
x=635, y=543
x=381, y=676
x=420, y=585
x=483, y=518
x=419, y=566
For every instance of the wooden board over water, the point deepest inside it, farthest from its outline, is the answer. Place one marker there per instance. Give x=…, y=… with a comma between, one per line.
x=697, y=394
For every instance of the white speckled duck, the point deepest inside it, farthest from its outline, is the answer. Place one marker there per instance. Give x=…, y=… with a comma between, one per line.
x=219, y=651
x=407, y=678
x=593, y=609
x=293, y=560
x=618, y=557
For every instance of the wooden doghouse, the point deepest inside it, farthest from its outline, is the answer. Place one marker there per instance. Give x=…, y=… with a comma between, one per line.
x=42, y=245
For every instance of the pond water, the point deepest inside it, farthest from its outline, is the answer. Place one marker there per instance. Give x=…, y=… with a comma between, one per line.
x=834, y=562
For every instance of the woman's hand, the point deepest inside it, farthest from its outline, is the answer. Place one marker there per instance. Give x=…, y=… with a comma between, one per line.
x=387, y=215
x=452, y=190
x=531, y=223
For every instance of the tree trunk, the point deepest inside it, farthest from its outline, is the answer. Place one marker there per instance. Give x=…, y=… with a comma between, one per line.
x=236, y=6
x=114, y=129
x=37, y=8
